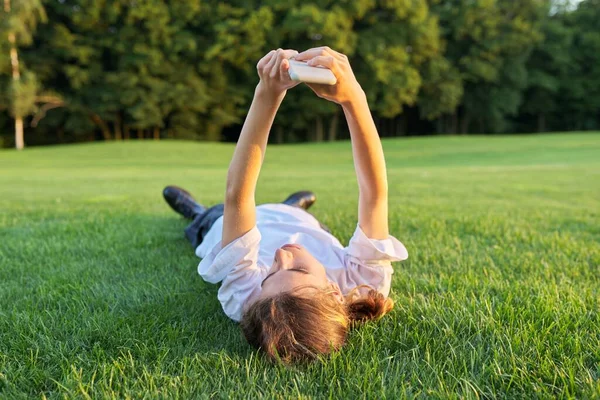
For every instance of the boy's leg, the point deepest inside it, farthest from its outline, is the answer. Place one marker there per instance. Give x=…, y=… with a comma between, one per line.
x=203, y=218
x=197, y=230
x=182, y=202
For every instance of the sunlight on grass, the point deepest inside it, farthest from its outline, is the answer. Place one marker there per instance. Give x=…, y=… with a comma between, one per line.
x=99, y=295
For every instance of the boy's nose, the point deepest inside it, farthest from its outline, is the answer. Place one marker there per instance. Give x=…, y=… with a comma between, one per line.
x=283, y=259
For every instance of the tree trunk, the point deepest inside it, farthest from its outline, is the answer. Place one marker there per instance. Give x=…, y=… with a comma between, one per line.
x=279, y=134
x=464, y=123
x=448, y=124
x=399, y=126
x=140, y=133
x=333, y=127
x=213, y=131
x=319, y=130
x=51, y=103
x=16, y=76
x=156, y=133
x=19, y=139
x=541, y=123
x=454, y=123
x=404, y=126
x=60, y=133
x=126, y=132
x=102, y=125
x=118, y=130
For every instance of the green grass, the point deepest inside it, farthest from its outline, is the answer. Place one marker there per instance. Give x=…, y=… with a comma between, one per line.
x=99, y=295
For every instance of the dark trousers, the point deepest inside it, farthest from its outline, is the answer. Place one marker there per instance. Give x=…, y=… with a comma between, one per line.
x=201, y=224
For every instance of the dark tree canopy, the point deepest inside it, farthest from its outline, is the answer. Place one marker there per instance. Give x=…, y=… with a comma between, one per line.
x=120, y=69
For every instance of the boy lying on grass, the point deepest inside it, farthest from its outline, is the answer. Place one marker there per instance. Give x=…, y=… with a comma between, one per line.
x=295, y=289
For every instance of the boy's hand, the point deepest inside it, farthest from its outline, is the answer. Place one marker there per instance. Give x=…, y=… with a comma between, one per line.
x=273, y=71
x=347, y=87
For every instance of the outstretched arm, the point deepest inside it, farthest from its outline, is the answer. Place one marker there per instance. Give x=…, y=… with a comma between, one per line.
x=369, y=162
x=240, y=214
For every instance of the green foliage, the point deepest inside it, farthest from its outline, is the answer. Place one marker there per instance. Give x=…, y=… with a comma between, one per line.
x=23, y=94
x=395, y=40
x=20, y=23
x=22, y=20
x=5, y=98
x=187, y=69
x=489, y=41
x=581, y=95
x=234, y=44
x=548, y=69
x=442, y=89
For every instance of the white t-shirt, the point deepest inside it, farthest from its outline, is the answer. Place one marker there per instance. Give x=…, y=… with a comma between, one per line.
x=243, y=264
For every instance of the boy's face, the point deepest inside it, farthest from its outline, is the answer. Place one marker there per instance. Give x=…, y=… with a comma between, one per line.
x=294, y=268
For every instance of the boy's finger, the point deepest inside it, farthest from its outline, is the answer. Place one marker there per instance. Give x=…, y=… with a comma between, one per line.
x=284, y=75
x=263, y=61
x=310, y=53
x=271, y=62
x=325, y=61
x=285, y=70
x=275, y=67
x=314, y=52
x=290, y=53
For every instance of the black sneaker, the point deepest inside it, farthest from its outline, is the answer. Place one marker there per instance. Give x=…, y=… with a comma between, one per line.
x=182, y=202
x=303, y=199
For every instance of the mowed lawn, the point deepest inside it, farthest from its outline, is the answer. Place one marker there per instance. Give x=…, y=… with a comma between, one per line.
x=99, y=295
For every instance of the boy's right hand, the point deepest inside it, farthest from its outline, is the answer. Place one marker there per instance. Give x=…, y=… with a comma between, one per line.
x=347, y=87
x=273, y=71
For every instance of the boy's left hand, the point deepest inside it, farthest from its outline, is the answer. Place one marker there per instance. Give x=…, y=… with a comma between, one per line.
x=273, y=71
x=347, y=88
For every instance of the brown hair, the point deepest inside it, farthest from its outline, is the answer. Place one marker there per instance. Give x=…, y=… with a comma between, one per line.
x=292, y=328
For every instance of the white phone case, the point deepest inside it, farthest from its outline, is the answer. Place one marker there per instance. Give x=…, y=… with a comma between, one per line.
x=299, y=71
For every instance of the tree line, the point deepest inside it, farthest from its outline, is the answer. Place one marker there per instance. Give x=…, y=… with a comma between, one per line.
x=75, y=70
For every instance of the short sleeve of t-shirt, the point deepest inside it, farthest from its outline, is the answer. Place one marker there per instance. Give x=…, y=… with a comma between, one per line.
x=369, y=262
x=235, y=265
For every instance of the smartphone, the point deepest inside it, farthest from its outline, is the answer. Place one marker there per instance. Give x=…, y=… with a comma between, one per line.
x=299, y=71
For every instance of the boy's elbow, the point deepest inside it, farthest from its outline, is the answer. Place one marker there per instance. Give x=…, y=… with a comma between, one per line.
x=237, y=195
x=232, y=194
x=373, y=200
x=232, y=186
x=381, y=190
x=375, y=191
